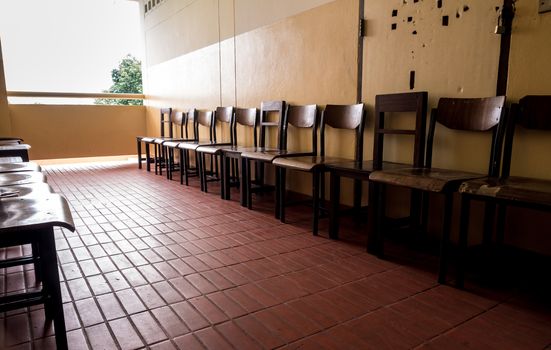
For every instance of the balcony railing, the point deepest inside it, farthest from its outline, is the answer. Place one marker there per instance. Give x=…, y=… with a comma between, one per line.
x=32, y=97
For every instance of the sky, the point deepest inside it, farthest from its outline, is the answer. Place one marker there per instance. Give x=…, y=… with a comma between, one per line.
x=67, y=45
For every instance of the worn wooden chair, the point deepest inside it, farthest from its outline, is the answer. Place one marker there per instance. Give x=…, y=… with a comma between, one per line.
x=224, y=117
x=387, y=106
x=179, y=126
x=165, y=121
x=476, y=115
x=204, y=120
x=231, y=154
x=350, y=117
x=534, y=113
x=257, y=154
x=299, y=117
x=170, y=146
x=35, y=227
x=181, y=120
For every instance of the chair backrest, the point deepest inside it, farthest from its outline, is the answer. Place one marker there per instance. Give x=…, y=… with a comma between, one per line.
x=350, y=117
x=471, y=114
x=166, y=122
x=246, y=117
x=224, y=115
x=266, y=108
x=415, y=102
x=304, y=117
x=532, y=112
x=204, y=118
x=179, y=123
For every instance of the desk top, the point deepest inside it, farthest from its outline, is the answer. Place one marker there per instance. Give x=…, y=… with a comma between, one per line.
x=12, y=179
x=21, y=214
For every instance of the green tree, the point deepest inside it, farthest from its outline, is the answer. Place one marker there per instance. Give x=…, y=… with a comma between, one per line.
x=127, y=78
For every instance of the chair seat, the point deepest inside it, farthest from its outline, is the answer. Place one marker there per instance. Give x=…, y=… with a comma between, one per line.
x=514, y=188
x=193, y=145
x=147, y=139
x=163, y=140
x=11, y=179
x=432, y=180
x=14, y=167
x=8, y=160
x=364, y=167
x=268, y=155
x=307, y=163
x=15, y=147
x=214, y=148
x=32, y=190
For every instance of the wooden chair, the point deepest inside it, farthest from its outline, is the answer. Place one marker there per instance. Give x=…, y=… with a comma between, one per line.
x=222, y=116
x=203, y=119
x=36, y=228
x=336, y=116
x=231, y=154
x=267, y=109
x=169, y=146
x=386, y=106
x=165, y=120
x=534, y=113
x=483, y=114
x=181, y=122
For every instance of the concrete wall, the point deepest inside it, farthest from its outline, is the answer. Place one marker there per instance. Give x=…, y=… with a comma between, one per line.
x=75, y=131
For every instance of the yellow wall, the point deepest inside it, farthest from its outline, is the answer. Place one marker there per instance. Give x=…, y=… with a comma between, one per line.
x=5, y=127
x=241, y=52
x=74, y=131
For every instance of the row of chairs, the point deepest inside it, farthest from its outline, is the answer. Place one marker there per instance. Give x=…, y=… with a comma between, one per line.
x=474, y=115
x=30, y=211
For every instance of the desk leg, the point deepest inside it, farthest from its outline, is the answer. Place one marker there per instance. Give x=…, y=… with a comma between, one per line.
x=334, y=199
x=54, y=306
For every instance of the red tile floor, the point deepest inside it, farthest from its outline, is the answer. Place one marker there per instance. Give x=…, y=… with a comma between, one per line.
x=154, y=264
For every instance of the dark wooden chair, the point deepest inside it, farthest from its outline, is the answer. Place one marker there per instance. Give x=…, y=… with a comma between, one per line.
x=534, y=113
x=166, y=123
x=260, y=154
x=179, y=132
x=169, y=146
x=477, y=115
x=231, y=154
x=386, y=106
x=350, y=117
x=203, y=120
x=14, y=152
x=224, y=117
x=30, y=220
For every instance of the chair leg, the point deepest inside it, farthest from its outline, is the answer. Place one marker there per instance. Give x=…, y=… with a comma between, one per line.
x=334, y=200
x=500, y=226
x=445, y=243
x=182, y=165
x=161, y=158
x=489, y=216
x=248, y=185
x=168, y=163
x=375, y=243
x=37, y=262
x=188, y=165
x=205, y=174
x=463, y=240
x=357, y=200
x=277, y=192
x=139, y=146
x=282, y=193
x=155, y=159
x=315, y=201
x=224, y=180
x=147, y=157
x=53, y=306
x=243, y=182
